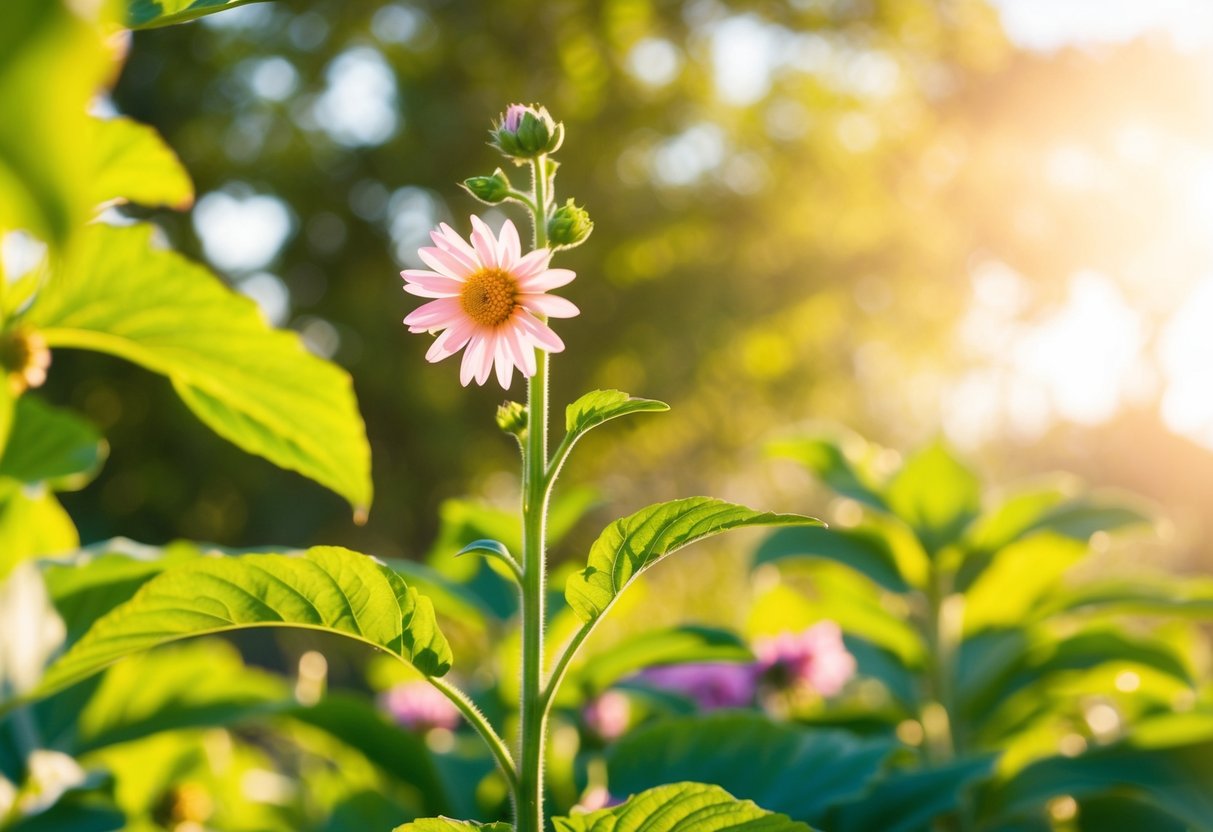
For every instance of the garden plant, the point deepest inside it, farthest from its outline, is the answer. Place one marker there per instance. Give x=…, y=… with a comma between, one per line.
x=940, y=656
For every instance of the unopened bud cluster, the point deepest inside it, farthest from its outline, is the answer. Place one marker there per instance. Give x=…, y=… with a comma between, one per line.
x=24, y=360
x=526, y=132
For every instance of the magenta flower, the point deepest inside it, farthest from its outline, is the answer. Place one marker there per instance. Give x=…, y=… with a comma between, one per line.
x=490, y=299
x=419, y=706
x=815, y=659
x=712, y=685
x=513, y=117
x=608, y=714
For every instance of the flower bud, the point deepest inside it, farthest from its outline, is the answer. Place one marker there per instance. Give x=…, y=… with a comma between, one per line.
x=511, y=418
x=24, y=359
x=525, y=132
x=569, y=226
x=489, y=189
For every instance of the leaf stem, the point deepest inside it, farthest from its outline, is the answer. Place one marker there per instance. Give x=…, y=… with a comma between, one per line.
x=556, y=678
x=483, y=727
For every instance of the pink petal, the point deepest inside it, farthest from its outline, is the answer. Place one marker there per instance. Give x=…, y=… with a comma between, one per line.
x=521, y=350
x=504, y=363
x=531, y=265
x=437, y=314
x=550, y=305
x=485, y=243
x=547, y=280
x=539, y=332
x=509, y=247
x=471, y=358
x=443, y=262
x=449, y=240
x=450, y=341
x=430, y=285
x=486, y=358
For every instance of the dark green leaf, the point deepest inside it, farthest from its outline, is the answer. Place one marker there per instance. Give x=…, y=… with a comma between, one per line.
x=911, y=801
x=51, y=447
x=864, y=550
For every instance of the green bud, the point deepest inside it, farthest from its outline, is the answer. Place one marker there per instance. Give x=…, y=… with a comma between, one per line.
x=569, y=226
x=525, y=132
x=511, y=418
x=489, y=189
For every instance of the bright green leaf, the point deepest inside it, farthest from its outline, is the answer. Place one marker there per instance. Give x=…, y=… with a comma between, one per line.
x=839, y=462
x=150, y=14
x=327, y=588
x=32, y=523
x=51, y=447
x=255, y=386
x=133, y=164
x=936, y=495
x=632, y=544
x=592, y=409
x=803, y=771
x=450, y=825
x=681, y=807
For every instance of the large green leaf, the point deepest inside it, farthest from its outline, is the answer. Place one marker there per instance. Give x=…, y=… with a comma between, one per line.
x=32, y=523
x=51, y=447
x=864, y=550
x=936, y=495
x=841, y=463
x=449, y=825
x=803, y=771
x=133, y=164
x=681, y=807
x=592, y=409
x=327, y=588
x=632, y=544
x=254, y=385
x=911, y=801
x=674, y=645
x=150, y=14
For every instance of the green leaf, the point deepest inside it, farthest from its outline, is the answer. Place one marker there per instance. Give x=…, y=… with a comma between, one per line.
x=864, y=550
x=327, y=588
x=150, y=14
x=632, y=544
x=449, y=825
x=839, y=462
x=675, y=645
x=803, y=771
x=255, y=386
x=493, y=549
x=910, y=801
x=592, y=409
x=51, y=447
x=133, y=164
x=681, y=807
x=936, y=495
x=32, y=523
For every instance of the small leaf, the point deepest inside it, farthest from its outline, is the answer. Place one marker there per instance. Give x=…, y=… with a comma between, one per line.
x=492, y=549
x=133, y=164
x=255, y=386
x=32, y=523
x=449, y=825
x=592, y=409
x=150, y=14
x=803, y=772
x=681, y=807
x=51, y=447
x=936, y=495
x=632, y=544
x=839, y=464
x=327, y=588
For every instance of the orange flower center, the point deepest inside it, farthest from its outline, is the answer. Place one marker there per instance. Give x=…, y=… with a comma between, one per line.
x=489, y=297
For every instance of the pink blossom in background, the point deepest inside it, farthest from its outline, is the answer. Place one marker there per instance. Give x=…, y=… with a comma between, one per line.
x=597, y=797
x=419, y=706
x=713, y=685
x=489, y=298
x=608, y=714
x=815, y=659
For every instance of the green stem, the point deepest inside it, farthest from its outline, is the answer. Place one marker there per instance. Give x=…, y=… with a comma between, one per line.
x=535, y=490
x=562, y=664
x=483, y=727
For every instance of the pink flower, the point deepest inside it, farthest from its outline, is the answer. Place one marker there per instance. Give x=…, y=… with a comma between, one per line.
x=419, y=706
x=815, y=659
x=513, y=117
x=608, y=714
x=488, y=298
x=713, y=685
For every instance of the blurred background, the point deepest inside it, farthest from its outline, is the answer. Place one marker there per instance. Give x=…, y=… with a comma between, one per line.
x=987, y=221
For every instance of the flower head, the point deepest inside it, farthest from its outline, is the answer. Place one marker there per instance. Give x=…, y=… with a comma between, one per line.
x=712, y=685
x=608, y=715
x=815, y=659
x=525, y=132
x=490, y=299
x=419, y=706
